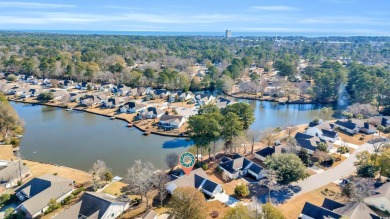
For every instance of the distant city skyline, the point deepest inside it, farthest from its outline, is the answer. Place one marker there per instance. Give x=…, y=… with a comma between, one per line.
x=326, y=17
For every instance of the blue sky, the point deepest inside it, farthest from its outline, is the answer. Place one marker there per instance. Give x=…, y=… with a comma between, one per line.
x=344, y=17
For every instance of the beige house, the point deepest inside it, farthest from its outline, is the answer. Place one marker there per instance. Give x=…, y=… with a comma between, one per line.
x=381, y=200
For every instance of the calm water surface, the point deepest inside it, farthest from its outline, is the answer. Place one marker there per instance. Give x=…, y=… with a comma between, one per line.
x=77, y=139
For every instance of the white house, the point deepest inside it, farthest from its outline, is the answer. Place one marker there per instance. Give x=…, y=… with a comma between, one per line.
x=354, y=126
x=239, y=167
x=36, y=194
x=323, y=130
x=197, y=179
x=204, y=99
x=310, y=143
x=152, y=113
x=95, y=205
x=171, y=121
x=381, y=200
x=264, y=153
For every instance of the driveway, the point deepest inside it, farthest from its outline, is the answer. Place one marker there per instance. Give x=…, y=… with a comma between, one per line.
x=342, y=143
x=344, y=169
x=226, y=199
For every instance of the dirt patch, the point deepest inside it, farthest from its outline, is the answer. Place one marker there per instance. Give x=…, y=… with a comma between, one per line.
x=217, y=206
x=6, y=152
x=115, y=188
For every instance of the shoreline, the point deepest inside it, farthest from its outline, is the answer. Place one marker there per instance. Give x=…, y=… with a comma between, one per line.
x=272, y=100
x=99, y=114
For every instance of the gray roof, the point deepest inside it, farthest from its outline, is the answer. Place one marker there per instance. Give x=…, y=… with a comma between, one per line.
x=150, y=215
x=240, y=163
x=317, y=212
x=11, y=171
x=170, y=118
x=356, y=210
x=92, y=205
x=309, y=142
x=195, y=179
x=41, y=189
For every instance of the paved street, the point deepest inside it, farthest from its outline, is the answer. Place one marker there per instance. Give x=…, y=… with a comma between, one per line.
x=344, y=169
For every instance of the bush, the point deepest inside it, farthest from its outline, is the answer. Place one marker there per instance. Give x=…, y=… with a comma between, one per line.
x=9, y=213
x=67, y=199
x=4, y=199
x=45, y=96
x=241, y=190
x=11, y=78
x=77, y=191
x=343, y=150
x=15, y=141
x=205, y=167
x=53, y=205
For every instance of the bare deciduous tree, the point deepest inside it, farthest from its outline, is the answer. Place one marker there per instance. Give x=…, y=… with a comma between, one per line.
x=267, y=135
x=253, y=136
x=290, y=129
x=363, y=109
x=98, y=171
x=358, y=189
x=141, y=179
x=172, y=160
x=160, y=182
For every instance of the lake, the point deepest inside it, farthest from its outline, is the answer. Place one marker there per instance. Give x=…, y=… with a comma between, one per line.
x=77, y=139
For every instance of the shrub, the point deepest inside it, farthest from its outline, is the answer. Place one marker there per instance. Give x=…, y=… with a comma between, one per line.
x=11, y=78
x=53, y=205
x=67, y=199
x=4, y=199
x=77, y=191
x=15, y=141
x=9, y=213
x=45, y=96
x=241, y=190
x=343, y=150
x=205, y=167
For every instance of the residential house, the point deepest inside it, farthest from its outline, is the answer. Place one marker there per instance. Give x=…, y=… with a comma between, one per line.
x=95, y=99
x=310, y=143
x=34, y=92
x=354, y=126
x=336, y=210
x=151, y=214
x=204, y=99
x=264, y=153
x=223, y=102
x=75, y=97
x=36, y=194
x=184, y=96
x=380, y=120
x=171, y=121
x=113, y=102
x=152, y=113
x=11, y=172
x=19, y=91
x=239, y=167
x=95, y=205
x=162, y=93
x=173, y=97
x=323, y=130
x=197, y=179
x=133, y=92
x=381, y=198
x=132, y=107
x=106, y=87
x=122, y=90
x=58, y=94
x=68, y=84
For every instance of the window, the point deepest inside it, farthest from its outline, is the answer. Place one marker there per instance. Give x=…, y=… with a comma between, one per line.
x=113, y=214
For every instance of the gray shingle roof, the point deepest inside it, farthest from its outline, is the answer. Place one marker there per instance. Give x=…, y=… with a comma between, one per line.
x=317, y=212
x=11, y=171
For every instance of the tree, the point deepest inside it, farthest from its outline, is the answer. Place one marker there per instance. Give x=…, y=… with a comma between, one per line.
x=384, y=163
x=239, y=211
x=161, y=180
x=45, y=96
x=366, y=110
x=172, y=159
x=271, y=212
x=367, y=171
x=231, y=127
x=9, y=121
x=253, y=136
x=98, y=171
x=291, y=129
x=141, y=179
x=322, y=146
x=187, y=202
x=243, y=110
x=241, y=190
x=11, y=78
x=357, y=189
x=268, y=135
x=208, y=109
x=288, y=167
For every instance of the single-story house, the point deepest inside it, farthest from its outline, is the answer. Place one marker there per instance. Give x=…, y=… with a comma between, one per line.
x=95, y=205
x=204, y=99
x=36, y=194
x=132, y=92
x=122, y=90
x=171, y=121
x=75, y=97
x=19, y=91
x=354, y=126
x=162, y=93
x=380, y=120
x=152, y=113
x=105, y=87
x=132, y=107
x=323, y=130
x=113, y=102
x=223, y=102
x=336, y=210
x=381, y=200
x=238, y=167
x=11, y=171
x=68, y=84
x=264, y=153
x=173, y=97
x=310, y=143
x=92, y=99
x=197, y=179
x=184, y=96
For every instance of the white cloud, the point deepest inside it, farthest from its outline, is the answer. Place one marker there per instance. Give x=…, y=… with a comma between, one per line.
x=275, y=8
x=345, y=20
x=33, y=5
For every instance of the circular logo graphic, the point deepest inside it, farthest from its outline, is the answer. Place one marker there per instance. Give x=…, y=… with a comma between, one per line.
x=187, y=159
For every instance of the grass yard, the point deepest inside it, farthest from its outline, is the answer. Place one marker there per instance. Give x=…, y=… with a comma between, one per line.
x=293, y=207
x=115, y=188
x=355, y=139
x=6, y=152
x=217, y=206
